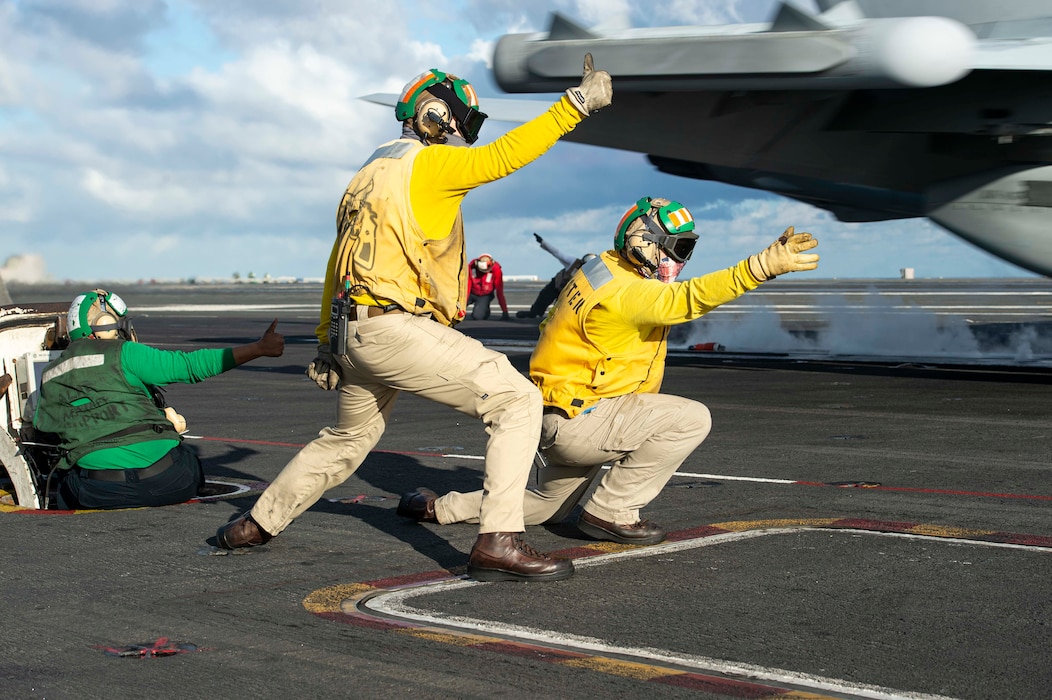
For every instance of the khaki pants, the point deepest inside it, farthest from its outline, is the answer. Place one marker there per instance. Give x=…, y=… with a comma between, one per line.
x=399, y=352
x=646, y=437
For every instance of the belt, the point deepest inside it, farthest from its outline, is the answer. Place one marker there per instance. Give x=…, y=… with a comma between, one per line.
x=121, y=474
x=559, y=412
x=374, y=311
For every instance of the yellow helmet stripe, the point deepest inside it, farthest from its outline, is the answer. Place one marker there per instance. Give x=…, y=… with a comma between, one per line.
x=680, y=217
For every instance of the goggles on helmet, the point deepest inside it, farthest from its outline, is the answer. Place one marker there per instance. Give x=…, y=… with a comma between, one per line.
x=670, y=226
x=679, y=246
x=469, y=118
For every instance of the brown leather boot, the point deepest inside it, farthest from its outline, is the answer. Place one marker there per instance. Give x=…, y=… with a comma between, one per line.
x=641, y=532
x=418, y=505
x=503, y=556
x=242, y=532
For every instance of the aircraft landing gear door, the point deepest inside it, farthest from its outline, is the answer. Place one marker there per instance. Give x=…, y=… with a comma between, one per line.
x=31, y=335
x=19, y=472
x=21, y=399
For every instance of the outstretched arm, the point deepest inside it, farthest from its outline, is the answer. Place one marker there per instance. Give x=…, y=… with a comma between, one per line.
x=152, y=366
x=566, y=260
x=667, y=304
x=443, y=175
x=271, y=344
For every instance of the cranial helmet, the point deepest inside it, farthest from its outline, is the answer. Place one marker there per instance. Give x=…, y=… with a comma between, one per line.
x=99, y=313
x=484, y=262
x=433, y=100
x=652, y=229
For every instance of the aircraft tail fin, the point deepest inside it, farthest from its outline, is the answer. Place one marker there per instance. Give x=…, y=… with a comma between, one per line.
x=562, y=28
x=790, y=19
x=827, y=5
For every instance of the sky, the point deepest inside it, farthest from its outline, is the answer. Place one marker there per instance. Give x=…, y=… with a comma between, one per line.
x=178, y=139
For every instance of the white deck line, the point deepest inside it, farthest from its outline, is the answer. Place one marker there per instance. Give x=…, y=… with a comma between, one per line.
x=394, y=604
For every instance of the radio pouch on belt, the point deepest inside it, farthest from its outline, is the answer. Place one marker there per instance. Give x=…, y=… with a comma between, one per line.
x=338, y=315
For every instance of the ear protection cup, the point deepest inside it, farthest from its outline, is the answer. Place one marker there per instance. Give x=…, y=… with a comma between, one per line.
x=102, y=321
x=432, y=118
x=99, y=313
x=642, y=252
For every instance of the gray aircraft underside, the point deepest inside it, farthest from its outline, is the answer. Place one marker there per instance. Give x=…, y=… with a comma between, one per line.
x=872, y=109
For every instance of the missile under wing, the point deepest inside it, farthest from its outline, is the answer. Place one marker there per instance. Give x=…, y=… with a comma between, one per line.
x=872, y=109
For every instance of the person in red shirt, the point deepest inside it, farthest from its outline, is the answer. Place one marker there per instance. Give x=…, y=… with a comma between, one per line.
x=486, y=280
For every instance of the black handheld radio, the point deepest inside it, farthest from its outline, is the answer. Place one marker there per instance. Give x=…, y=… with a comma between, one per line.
x=339, y=313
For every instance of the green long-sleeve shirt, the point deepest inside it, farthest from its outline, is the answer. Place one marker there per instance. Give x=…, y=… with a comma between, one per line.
x=142, y=366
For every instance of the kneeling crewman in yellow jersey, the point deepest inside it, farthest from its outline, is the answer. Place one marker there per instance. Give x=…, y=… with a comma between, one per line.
x=599, y=365
x=396, y=282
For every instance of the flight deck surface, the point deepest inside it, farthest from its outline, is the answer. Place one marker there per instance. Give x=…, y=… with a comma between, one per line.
x=849, y=529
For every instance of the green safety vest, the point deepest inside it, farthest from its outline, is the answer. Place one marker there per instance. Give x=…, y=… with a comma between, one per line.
x=86, y=400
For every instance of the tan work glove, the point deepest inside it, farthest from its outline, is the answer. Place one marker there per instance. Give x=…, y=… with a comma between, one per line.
x=595, y=90
x=784, y=255
x=323, y=369
x=177, y=421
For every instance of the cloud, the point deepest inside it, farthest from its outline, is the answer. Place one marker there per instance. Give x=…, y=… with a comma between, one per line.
x=198, y=138
x=24, y=268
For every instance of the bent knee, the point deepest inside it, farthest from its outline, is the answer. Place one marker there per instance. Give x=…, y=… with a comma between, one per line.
x=522, y=395
x=516, y=383
x=696, y=419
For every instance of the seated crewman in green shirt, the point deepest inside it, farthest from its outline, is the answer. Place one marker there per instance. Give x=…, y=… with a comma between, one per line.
x=121, y=450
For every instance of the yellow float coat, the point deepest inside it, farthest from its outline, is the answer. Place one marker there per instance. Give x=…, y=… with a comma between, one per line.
x=419, y=218
x=607, y=333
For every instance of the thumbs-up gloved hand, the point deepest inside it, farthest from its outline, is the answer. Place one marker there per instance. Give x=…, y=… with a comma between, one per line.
x=595, y=91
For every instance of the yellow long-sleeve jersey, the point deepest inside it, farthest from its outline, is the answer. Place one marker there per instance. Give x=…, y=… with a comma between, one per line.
x=441, y=176
x=608, y=331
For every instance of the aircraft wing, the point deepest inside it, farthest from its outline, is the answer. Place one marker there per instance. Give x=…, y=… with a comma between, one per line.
x=872, y=109
x=790, y=53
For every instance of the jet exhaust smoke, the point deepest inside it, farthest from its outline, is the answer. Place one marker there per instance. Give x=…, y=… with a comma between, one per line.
x=880, y=327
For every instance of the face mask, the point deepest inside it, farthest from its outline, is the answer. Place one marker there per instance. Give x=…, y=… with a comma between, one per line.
x=668, y=269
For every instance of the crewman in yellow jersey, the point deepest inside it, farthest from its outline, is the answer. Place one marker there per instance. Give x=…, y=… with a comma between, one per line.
x=394, y=286
x=599, y=365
